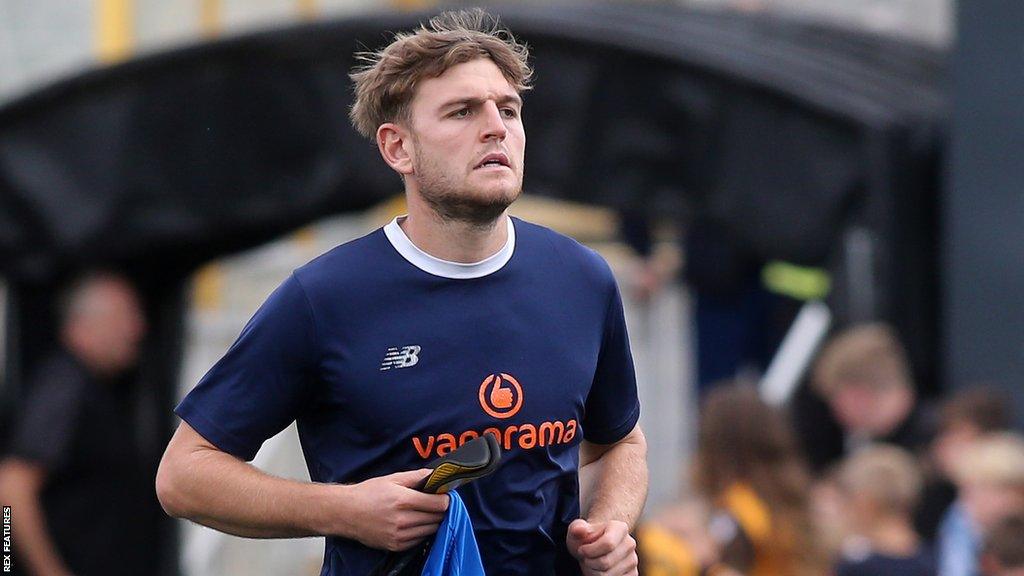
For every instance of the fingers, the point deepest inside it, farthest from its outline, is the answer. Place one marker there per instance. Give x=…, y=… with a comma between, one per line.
x=621, y=560
x=416, y=519
x=416, y=500
x=410, y=529
x=580, y=532
x=436, y=503
x=410, y=479
x=610, y=552
x=410, y=537
x=606, y=542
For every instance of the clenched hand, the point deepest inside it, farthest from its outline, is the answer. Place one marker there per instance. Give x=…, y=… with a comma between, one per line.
x=603, y=548
x=388, y=513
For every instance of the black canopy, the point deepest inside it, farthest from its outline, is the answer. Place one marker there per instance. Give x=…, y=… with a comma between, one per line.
x=164, y=162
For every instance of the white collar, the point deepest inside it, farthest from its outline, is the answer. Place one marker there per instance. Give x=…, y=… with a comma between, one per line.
x=444, y=268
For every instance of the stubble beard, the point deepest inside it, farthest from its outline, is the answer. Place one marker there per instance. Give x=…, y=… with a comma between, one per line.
x=452, y=201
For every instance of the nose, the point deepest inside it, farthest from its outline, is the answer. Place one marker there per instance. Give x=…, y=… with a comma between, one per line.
x=494, y=125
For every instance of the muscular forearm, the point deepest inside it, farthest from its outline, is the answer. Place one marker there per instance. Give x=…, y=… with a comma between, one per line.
x=199, y=482
x=613, y=480
x=220, y=491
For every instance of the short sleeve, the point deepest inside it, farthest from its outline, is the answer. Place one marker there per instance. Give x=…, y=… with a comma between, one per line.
x=47, y=423
x=261, y=383
x=612, y=408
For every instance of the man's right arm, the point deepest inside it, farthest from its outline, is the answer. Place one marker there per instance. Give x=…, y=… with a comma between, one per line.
x=198, y=481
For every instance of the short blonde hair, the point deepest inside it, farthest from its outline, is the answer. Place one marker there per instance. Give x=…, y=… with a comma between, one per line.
x=857, y=354
x=886, y=474
x=996, y=459
x=387, y=79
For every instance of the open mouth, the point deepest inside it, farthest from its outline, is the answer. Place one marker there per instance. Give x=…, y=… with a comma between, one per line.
x=494, y=161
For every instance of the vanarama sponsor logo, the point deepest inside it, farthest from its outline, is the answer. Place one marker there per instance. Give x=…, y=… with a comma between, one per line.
x=501, y=397
x=525, y=436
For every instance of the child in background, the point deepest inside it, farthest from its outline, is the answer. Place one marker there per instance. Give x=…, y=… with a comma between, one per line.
x=754, y=482
x=966, y=416
x=1003, y=554
x=881, y=486
x=749, y=468
x=864, y=376
x=990, y=479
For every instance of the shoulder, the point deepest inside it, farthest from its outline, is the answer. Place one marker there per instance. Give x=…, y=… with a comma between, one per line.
x=342, y=264
x=59, y=378
x=568, y=252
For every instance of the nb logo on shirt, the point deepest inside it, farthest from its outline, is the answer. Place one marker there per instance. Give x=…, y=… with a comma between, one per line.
x=400, y=358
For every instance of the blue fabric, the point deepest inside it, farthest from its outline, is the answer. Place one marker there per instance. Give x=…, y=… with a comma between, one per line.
x=535, y=353
x=455, y=552
x=959, y=543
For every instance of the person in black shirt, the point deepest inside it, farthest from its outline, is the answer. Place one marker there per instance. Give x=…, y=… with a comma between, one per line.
x=80, y=501
x=864, y=377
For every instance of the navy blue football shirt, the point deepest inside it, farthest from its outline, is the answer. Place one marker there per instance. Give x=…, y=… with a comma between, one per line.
x=388, y=358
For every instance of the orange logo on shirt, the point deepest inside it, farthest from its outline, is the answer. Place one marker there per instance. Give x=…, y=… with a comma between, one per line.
x=501, y=395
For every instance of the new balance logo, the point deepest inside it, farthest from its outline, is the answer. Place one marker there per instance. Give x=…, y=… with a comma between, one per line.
x=400, y=358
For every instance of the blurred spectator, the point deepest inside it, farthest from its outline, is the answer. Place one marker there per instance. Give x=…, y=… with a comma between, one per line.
x=739, y=322
x=990, y=479
x=880, y=486
x=1004, y=548
x=72, y=476
x=963, y=418
x=755, y=481
x=675, y=542
x=864, y=377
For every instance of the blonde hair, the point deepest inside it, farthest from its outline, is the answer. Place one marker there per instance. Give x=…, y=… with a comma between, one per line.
x=996, y=459
x=888, y=475
x=857, y=355
x=387, y=79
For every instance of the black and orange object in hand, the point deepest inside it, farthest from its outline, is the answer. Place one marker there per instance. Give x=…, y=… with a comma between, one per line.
x=474, y=459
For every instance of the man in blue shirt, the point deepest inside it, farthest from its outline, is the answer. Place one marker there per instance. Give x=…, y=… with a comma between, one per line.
x=451, y=322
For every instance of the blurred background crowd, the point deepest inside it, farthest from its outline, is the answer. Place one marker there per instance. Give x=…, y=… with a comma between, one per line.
x=812, y=206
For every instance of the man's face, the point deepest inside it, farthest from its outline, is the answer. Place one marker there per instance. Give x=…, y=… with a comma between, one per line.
x=110, y=326
x=468, y=142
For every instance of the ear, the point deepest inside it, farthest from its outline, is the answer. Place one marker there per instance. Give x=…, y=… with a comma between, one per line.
x=395, y=145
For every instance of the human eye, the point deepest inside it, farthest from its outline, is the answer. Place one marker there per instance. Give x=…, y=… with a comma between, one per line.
x=460, y=113
x=510, y=112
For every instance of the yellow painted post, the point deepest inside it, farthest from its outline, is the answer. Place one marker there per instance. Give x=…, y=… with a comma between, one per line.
x=208, y=287
x=115, y=29
x=308, y=9
x=211, y=18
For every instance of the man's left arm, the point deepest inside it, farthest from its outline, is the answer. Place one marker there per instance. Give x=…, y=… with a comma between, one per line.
x=613, y=488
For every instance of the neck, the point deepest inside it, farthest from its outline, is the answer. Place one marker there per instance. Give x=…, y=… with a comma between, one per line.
x=453, y=240
x=894, y=536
